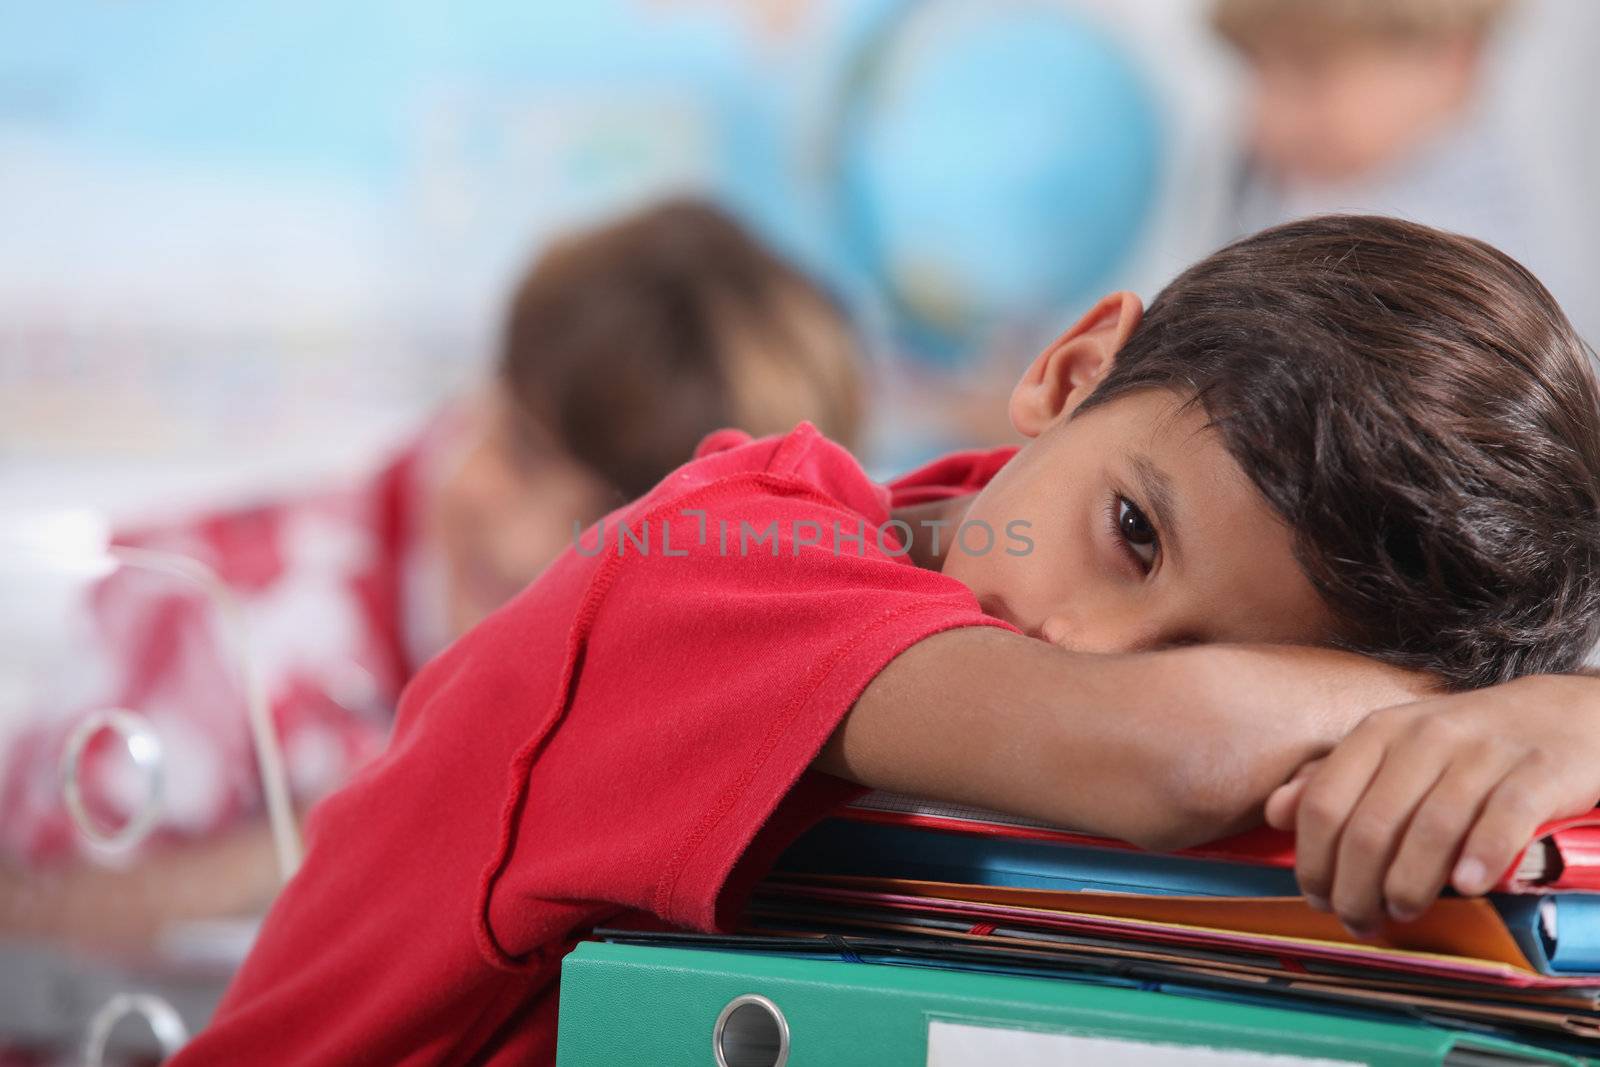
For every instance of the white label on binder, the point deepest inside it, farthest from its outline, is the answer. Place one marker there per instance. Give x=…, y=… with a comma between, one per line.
x=964, y=1045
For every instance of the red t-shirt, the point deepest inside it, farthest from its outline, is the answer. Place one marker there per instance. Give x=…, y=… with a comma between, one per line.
x=626, y=741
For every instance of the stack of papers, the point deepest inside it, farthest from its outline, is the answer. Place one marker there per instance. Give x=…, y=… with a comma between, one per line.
x=895, y=879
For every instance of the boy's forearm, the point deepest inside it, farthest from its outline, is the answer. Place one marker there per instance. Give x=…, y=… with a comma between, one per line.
x=1162, y=748
x=1272, y=708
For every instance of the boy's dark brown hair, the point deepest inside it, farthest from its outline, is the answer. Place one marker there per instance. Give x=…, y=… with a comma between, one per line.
x=628, y=343
x=1417, y=408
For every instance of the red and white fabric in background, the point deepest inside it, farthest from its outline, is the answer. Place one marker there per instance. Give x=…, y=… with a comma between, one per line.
x=326, y=584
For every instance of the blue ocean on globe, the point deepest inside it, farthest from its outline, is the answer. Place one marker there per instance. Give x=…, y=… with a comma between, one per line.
x=996, y=163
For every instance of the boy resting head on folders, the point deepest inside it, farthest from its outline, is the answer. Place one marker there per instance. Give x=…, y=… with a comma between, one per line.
x=1349, y=432
x=1317, y=536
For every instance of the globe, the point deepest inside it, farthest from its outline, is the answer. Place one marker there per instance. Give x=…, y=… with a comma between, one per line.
x=996, y=162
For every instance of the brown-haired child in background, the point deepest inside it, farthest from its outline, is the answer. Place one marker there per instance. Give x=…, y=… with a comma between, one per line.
x=624, y=346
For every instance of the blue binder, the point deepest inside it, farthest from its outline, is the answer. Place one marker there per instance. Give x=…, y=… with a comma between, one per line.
x=1559, y=933
x=843, y=846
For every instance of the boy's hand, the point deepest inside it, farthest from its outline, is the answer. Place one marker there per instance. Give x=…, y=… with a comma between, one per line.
x=1448, y=789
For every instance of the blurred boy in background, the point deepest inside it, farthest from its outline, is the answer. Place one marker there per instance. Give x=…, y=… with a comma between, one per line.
x=1373, y=106
x=624, y=345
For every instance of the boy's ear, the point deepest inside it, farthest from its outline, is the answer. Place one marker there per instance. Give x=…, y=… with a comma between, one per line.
x=1072, y=365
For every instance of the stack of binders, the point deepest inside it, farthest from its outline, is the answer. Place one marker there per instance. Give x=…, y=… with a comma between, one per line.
x=960, y=929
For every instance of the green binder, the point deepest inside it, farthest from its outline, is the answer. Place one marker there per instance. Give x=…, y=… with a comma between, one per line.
x=666, y=1007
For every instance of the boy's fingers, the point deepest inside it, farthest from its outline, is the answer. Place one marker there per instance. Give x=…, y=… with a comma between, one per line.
x=1433, y=839
x=1373, y=832
x=1283, y=802
x=1307, y=769
x=1507, y=823
x=1325, y=802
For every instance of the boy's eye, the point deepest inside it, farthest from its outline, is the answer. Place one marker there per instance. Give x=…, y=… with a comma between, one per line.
x=1136, y=531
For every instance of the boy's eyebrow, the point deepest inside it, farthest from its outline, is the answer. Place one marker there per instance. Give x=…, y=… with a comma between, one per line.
x=1160, y=497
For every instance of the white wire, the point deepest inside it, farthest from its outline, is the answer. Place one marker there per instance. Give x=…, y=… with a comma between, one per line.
x=269, y=756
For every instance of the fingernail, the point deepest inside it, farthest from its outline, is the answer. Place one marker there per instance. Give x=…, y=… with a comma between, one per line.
x=1361, y=933
x=1317, y=903
x=1470, y=877
x=1403, y=915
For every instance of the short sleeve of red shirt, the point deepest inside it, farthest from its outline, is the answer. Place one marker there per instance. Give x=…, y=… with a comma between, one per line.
x=709, y=682
x=630, y=736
